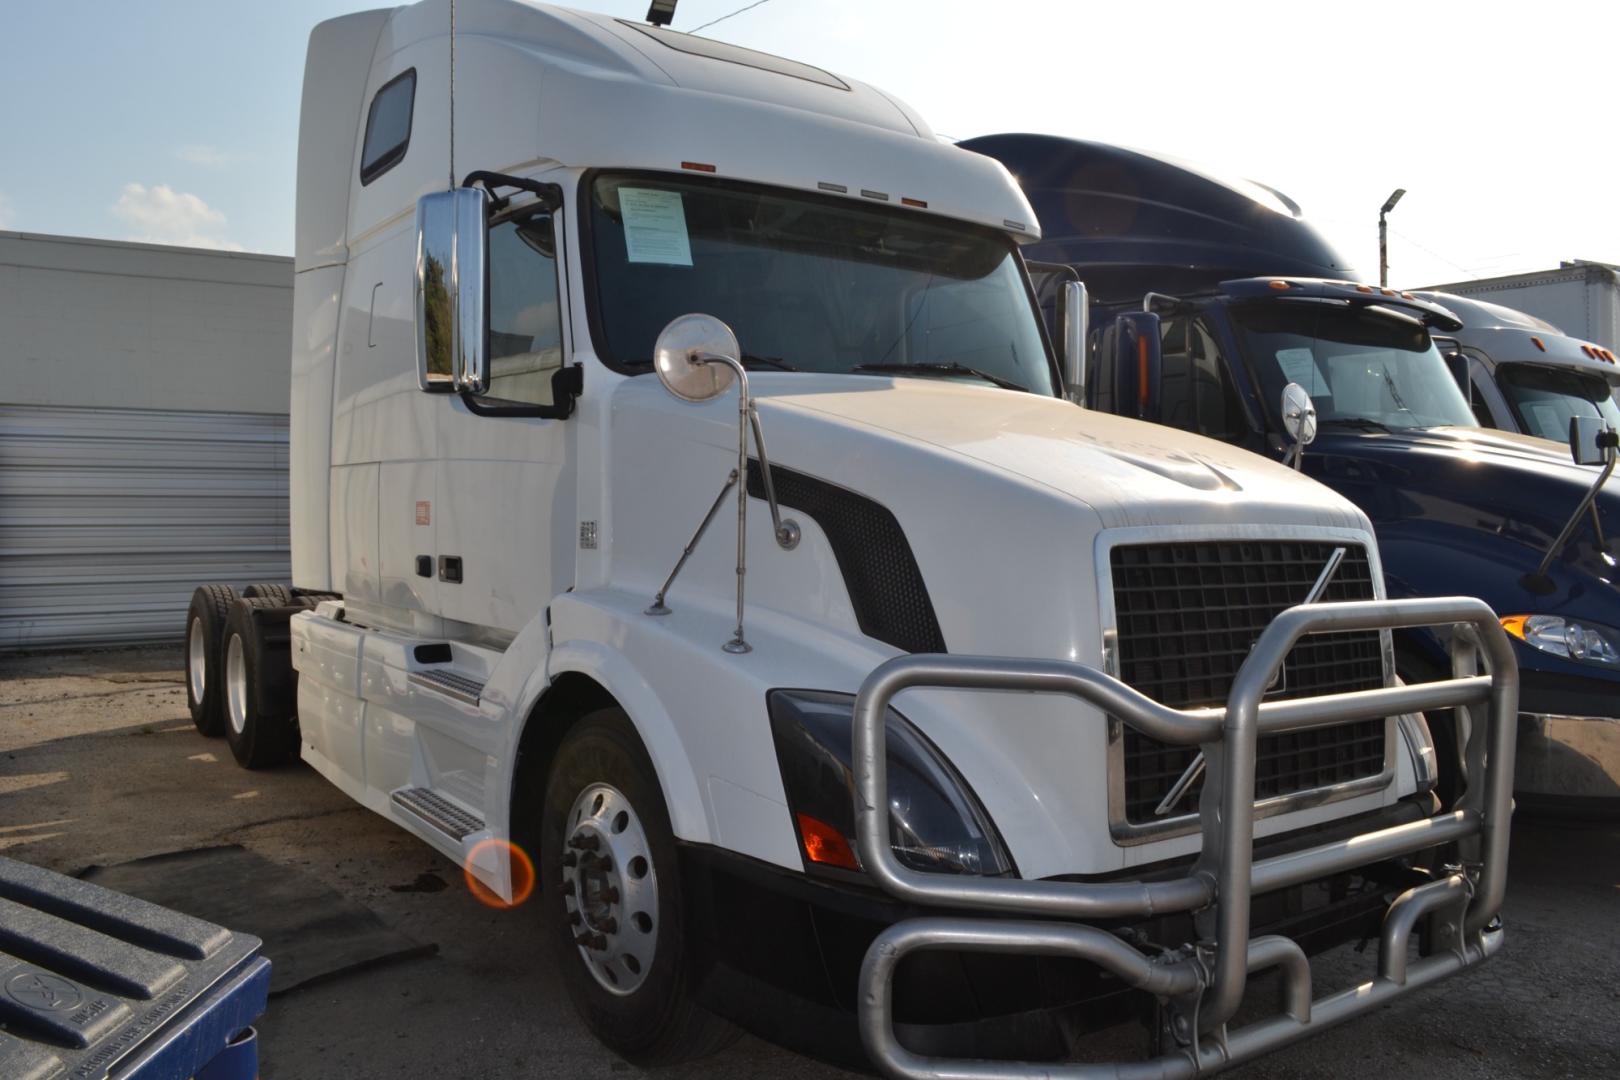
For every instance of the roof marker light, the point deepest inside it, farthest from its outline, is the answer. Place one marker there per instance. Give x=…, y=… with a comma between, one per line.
x=1364, y=288
x=881, y=196
x=1009, y=223
x=1587, y=349
x=826, y=185
x=1407, y=296
x=1537, y=342
x=1279, y=284
x=906, y=200
x=1387, y=292
x=697, y=166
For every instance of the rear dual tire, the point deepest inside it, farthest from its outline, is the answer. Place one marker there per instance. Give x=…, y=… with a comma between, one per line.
x=205, y=640
x=281, y=594
x=260, y=692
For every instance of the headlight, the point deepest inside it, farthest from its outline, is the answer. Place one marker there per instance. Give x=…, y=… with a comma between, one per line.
x=935, y=823
x=1582, y=641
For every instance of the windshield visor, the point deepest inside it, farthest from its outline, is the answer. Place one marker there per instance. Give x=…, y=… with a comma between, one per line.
x=808, y=283
x=1361, y=366
x=1544, y=399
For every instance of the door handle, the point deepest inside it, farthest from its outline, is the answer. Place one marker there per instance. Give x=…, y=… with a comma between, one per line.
x=450, y=569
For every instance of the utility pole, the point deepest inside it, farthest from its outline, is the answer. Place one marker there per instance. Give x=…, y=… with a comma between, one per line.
x=1383, y=237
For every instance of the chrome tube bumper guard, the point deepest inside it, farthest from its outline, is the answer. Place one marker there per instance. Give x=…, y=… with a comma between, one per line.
x=1203, y=983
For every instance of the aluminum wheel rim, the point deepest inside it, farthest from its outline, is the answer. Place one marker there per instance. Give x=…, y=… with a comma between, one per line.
x=236, y=685
x=196, y=660
x=610, y=889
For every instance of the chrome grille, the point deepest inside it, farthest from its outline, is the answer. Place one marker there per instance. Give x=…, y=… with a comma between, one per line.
x=1187, y=615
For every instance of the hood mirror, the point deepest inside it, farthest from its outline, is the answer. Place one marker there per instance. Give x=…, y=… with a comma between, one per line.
x=1591, y=442
x=1299, y=422
x=697, y=358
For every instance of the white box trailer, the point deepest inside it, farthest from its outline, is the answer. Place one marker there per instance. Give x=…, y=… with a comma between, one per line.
x=1580, y=298
x=513, y=402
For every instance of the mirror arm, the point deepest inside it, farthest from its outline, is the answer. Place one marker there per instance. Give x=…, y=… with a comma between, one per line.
x=787, y=531
x=738, y=644
x=658, y=607
x=1587, y=501
x=550, y=195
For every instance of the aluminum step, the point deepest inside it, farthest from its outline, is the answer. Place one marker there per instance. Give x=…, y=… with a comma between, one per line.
x=438, y=812
x=451, y=684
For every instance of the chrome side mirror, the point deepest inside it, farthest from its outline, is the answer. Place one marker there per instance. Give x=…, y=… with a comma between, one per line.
x=1587, y=442
x=1076, y=326
x=1299, y=422
x=697, y=359
x=451, y=237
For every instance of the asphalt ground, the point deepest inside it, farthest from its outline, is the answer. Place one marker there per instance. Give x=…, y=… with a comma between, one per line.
x=99, y=764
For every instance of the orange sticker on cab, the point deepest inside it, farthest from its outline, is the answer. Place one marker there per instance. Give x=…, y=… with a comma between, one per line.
x=424, y=512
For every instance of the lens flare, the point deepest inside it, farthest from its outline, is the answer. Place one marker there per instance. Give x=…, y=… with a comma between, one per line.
x=522, y=871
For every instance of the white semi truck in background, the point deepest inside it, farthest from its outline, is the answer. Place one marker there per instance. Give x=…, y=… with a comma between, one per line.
x=1520, y=373
x=557, y=277
x=1580, y=297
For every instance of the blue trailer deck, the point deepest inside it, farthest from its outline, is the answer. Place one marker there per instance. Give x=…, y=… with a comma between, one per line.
x=96, y=985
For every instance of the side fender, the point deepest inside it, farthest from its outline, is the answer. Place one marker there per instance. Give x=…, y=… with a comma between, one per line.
x=616, y=674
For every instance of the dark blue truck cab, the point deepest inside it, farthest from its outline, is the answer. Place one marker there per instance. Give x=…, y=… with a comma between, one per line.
x=1208, y=296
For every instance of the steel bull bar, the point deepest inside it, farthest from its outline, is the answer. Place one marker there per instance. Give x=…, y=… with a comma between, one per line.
x=1203, y=983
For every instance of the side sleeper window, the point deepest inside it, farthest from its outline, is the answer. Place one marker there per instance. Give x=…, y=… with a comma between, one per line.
x=525, y=328
x=388, y=126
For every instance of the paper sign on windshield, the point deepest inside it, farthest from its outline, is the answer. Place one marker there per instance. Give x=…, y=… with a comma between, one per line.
x=654, y=227
x=1299, y=366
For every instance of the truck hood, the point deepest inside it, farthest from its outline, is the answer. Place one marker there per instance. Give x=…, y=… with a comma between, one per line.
x=1478, y=478
x=1127, y=472
x=1002, y=496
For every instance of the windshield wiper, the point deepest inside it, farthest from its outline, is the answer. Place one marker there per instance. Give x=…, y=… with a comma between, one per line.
x=767, y=361
x=1362, y=422
x=939, y=369
x=775, y=362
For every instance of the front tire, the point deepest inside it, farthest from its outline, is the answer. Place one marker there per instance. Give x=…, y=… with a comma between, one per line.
x=612, y=901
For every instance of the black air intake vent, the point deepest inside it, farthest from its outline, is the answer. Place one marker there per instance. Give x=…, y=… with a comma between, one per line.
x=885, y=586
x=1188, y=614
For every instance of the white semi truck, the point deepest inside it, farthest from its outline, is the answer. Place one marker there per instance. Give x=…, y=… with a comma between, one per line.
x=994, y=718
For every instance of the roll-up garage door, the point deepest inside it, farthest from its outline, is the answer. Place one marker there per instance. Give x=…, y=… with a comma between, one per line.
x=109, y=518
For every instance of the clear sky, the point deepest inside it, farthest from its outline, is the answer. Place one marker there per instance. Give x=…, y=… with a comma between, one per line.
x=176, y=120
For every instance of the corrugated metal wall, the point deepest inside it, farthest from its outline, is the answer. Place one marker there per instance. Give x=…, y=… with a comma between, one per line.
x=110, y=517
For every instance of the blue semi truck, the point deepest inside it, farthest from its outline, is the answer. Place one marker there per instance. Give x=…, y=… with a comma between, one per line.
x=1206, y=297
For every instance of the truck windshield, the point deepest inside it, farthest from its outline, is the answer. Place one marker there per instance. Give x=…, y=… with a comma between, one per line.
x=1545, y=398
x=1361, y=367
x=811, y=283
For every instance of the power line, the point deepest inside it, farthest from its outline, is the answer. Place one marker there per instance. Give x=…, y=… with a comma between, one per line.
x=1491, y=261
x=723, y=18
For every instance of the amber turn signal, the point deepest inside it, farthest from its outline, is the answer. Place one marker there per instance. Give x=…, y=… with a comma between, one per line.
x=825, y=844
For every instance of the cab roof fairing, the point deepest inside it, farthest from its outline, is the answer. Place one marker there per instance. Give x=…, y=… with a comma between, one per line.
x=614, y=96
